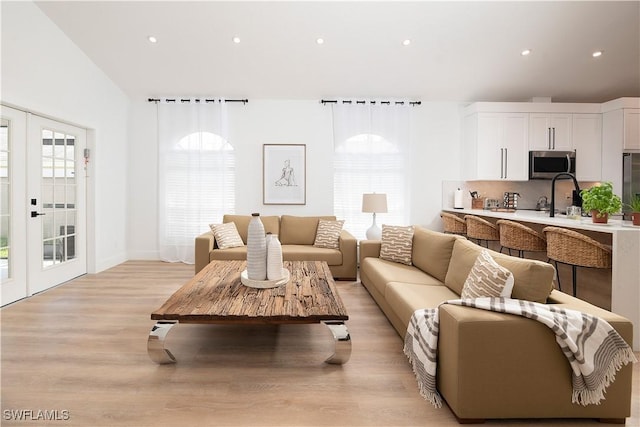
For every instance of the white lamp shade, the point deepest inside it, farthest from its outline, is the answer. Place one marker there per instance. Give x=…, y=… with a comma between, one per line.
x=374, y=203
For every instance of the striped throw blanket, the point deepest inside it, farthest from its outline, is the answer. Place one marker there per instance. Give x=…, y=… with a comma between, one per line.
x=593, y=348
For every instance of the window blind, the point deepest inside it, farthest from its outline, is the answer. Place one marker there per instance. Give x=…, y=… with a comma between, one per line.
x=196, y=175
x=370, y=146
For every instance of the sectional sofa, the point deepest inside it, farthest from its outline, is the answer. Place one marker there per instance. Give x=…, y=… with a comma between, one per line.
x=297, y=235
x=490, y=365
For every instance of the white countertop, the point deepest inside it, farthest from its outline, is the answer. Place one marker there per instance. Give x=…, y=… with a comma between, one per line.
x=539, y=217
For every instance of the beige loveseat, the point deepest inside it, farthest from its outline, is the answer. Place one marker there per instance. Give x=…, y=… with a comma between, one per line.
x=490, y=365
x=297, y=235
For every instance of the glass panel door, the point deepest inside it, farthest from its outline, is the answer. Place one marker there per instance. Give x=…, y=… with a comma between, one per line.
x=13, y=205
x=56, y=230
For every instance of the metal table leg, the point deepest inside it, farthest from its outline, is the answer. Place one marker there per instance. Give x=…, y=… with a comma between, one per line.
x=155, y=342
x=342, y=351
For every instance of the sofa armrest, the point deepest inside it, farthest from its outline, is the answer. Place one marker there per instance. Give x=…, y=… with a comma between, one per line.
x=369, y=248
x=484, y=356
x=204, y=244
x=348, y=246
x=347, y=243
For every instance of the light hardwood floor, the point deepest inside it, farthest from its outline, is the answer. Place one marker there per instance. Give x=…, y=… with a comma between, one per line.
x=81, y=348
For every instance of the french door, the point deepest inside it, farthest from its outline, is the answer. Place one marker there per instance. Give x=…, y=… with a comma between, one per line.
x=13, y=205
x=46, y=205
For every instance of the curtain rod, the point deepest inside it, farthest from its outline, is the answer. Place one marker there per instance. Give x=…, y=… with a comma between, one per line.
x=206, y=100
x=335, y=101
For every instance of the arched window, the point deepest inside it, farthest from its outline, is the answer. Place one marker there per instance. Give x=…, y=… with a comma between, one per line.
x=368, y=163
x=203, y=141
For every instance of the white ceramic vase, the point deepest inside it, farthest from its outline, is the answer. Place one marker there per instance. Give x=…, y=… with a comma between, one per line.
x=274, y=258
x=256, y=249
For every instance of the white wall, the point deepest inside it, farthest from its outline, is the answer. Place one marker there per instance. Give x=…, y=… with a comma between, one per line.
x=45, y=73
x=436, y=142
x=435, y=145
x=122, y=134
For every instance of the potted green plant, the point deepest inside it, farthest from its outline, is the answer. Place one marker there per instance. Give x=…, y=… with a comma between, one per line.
x=601, y=202
x=635, y=207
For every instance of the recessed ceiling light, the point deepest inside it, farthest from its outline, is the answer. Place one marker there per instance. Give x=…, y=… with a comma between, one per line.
x=597, y=53
x=406, y=42
x=525, y=52
x=320, y=40
x=236, y=39
x=152, y=39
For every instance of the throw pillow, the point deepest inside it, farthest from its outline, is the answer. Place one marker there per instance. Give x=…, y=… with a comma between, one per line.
x=328, y=234
x=396, y=243
x=487, y=279
x=226, y=235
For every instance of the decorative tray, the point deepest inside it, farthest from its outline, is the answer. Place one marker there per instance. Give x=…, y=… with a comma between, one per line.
x=264, y=284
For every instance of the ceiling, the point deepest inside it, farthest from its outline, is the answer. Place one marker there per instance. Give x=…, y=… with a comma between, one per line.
x=459, y=51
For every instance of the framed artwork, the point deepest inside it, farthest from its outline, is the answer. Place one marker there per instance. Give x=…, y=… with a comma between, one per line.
x=284, y=174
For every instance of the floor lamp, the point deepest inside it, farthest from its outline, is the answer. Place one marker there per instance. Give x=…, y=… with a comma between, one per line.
x=374, y=203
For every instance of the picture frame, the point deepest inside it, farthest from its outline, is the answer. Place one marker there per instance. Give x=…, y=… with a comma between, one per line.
x=284, y=174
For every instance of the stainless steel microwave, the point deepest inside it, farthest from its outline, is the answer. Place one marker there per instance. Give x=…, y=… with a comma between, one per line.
x=547, y=164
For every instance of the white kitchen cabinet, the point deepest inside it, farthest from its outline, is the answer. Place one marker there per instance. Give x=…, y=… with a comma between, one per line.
x=550, y=132
x=587, y=140
x=620, y=133
x=612, y=140
x=496, y=146
x=631, y=129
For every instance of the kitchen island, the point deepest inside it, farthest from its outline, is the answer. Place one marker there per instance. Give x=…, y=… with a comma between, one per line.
x=623, y=238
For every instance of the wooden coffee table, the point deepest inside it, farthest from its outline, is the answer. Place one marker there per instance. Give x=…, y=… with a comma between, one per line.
x=216, y=295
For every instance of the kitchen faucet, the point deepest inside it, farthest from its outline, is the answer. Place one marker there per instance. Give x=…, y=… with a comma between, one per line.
x=553, y=190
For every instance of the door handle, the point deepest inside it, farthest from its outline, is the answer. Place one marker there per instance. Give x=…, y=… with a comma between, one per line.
x=506, y=165
x=36, y=214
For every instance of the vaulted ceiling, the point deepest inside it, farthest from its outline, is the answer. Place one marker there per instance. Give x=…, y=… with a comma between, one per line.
x=458, y=51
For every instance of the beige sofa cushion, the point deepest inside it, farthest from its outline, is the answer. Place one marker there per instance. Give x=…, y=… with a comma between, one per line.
x=271, y=224
x=229, y=254
x=300, y=230
x=289, y=253
x=432, y=251
x=533, y=280
x=306, y=253
x=380, y=272
x=405, y=298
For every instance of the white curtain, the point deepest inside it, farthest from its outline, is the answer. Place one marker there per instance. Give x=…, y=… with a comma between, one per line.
x=371, y=151
x=196, y=173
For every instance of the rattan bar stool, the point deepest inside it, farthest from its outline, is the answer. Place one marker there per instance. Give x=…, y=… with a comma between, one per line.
x=519, y=237
x=481, y=230
x=453, y=224
x=575, y=249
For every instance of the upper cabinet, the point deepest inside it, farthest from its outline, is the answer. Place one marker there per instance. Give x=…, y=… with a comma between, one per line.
x=587, y=140
x=497, y=137
x=631, y=129
x=496, y=146
x=550, y=132
x=620, y=133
